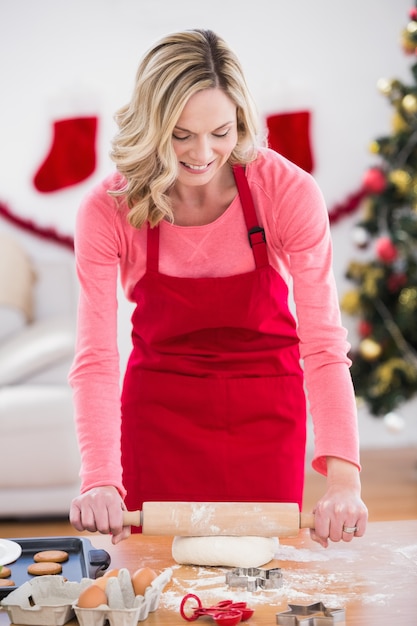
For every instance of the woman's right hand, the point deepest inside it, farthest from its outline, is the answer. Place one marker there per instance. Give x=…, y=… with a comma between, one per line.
x=100, y=509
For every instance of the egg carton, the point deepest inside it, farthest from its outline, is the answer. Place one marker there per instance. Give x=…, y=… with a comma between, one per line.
x=124, y=608
x=46, y=600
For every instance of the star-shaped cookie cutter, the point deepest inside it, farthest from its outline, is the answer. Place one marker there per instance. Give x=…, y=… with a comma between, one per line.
x=253, y=578
x=311, y=615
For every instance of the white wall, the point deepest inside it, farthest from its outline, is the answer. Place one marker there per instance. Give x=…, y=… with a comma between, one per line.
x=61, y=58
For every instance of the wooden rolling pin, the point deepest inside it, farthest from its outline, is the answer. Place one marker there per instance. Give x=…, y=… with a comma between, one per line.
x=202, y=519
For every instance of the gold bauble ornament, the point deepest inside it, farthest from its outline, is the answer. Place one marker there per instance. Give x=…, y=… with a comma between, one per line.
x=374, y=147
x=385, y=86
x=411, y=27
x=399, y=124
x=407, y=41
x=409, y=103
x=350, y=302
x=408, y=298
x=401, y=179
x=369, y=349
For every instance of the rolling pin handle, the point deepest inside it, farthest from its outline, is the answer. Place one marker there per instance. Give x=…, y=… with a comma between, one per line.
x=132, y=518
x=307, y=520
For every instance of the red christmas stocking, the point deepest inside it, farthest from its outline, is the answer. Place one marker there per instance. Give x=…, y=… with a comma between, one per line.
x=289, y=134
x=71, y=158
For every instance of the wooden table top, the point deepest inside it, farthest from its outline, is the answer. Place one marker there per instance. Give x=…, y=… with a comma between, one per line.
x=373, y=578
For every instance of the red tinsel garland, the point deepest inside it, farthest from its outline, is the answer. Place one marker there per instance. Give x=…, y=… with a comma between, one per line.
x=45, y=233
x=339, y=210
x=351, y=203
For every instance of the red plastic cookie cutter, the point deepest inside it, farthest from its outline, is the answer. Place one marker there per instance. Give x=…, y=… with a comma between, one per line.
x=224, y=613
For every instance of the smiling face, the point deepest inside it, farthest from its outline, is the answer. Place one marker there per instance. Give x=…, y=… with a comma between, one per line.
x=204, y=136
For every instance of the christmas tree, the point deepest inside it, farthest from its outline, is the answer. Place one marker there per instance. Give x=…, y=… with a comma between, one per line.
x=384, y=293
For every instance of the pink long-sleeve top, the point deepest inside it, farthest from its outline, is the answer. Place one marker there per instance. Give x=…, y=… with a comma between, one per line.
x=291, y=209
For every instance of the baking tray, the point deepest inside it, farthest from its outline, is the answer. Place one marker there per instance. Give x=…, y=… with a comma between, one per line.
x=84, y=560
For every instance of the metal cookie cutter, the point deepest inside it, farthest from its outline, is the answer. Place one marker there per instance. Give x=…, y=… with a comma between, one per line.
x=253, y=578
x=311, y=615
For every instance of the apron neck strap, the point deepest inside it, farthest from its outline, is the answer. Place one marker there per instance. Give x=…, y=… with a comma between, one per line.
x=256, y=233
x=152, y=250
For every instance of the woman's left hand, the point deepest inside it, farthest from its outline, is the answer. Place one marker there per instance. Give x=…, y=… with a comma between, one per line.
x=340, y=514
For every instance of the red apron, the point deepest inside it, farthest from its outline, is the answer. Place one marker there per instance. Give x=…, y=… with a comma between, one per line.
x=213, y=405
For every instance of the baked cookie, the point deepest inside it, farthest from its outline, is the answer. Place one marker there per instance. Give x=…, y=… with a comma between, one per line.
x=6, y=582
x=5, y=572
x=44, y=568
x=54, y=556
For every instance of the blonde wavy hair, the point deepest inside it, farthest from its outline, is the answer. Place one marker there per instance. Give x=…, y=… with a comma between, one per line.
x=177, y=67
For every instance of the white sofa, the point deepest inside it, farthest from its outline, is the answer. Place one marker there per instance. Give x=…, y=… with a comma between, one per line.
x=39, y=456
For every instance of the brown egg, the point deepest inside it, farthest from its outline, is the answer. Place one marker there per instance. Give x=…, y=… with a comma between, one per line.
x=101, y=582
x=110, y=573
x=91, y=597
x=141, y=580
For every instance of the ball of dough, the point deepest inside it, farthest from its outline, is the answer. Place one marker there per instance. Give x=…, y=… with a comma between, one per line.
x=224, y=551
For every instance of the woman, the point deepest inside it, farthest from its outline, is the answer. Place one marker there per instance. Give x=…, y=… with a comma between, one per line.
x=207, y=228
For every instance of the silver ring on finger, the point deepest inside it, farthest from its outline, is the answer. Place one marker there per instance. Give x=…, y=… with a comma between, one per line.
x=350, y=529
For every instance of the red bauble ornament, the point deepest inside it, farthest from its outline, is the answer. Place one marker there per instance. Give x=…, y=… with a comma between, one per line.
x=396, y=281
x=386, y=250
x=413, y=14
x=364, y=328
x=374, y=180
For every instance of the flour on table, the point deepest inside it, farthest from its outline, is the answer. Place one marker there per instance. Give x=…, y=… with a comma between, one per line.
x=410, y=552
x=225, y=551
x=300, y=586
x=304, y=555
